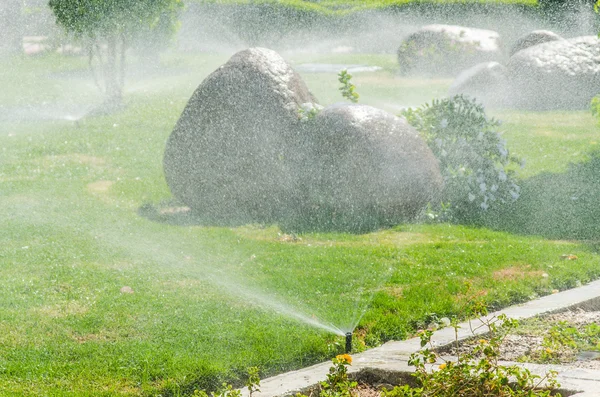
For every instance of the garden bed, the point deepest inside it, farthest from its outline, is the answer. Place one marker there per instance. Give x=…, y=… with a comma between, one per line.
x=570, y=338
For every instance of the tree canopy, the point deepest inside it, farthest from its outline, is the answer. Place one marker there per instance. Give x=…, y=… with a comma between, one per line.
x=101, y=18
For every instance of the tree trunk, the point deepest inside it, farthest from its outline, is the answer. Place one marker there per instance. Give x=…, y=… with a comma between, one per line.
x=112, y=78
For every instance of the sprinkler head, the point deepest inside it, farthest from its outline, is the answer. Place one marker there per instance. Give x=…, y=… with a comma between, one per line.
x=348, y=342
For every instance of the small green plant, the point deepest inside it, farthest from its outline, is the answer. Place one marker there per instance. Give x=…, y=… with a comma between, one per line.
x=253, y=381
x=308, y=111
x=477, y=372
x=474, y=160
x=347, y=88
x=563, y=341
x=337, y=384
x=595, y=106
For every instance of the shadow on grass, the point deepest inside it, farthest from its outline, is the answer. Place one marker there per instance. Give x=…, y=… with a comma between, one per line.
x=323, y=219
x=557, y=206
x=171, y=212
x=563, y=206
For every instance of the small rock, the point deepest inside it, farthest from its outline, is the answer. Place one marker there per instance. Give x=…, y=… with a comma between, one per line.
x=445, y=321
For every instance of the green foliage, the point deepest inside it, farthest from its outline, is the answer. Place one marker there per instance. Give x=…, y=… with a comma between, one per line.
x=564, y=5
x=347, y=88
x=100, y=18
x=309, y=111
x=337, y=383
x=477, y=372
x=563, y=341
x=253, y=381
x=473, y=157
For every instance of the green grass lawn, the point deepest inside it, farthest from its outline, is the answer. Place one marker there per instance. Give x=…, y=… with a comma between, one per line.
x=209, y=302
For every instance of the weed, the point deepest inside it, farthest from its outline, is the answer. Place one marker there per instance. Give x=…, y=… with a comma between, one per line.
x=477, y=372
x=563, y=341
x=347, y=88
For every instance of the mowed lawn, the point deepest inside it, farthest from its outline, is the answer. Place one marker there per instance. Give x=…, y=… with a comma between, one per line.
x=107, y=288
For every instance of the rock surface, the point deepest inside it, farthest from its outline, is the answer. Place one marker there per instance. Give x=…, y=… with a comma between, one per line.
x=562, y=74
x=534, y=38
x=447, y=49
x=485, y=81
x=227, y=155
x=369, y=169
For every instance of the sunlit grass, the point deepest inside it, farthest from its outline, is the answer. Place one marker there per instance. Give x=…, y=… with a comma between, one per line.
x=208, y=301
x=341, y=7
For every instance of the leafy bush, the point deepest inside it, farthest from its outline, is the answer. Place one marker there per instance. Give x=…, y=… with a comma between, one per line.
x=473, y=157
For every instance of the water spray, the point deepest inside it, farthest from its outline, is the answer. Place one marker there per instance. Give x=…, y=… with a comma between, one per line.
x=348, y=342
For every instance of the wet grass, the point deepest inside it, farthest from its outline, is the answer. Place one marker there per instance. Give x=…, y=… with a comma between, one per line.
x=208, y=301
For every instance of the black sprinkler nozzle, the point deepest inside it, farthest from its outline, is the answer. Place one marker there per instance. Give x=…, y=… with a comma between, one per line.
x=348, y=342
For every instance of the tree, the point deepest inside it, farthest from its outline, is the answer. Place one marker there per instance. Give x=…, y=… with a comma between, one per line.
x=108, y=27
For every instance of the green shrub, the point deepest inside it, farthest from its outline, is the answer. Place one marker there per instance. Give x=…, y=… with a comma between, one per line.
x=473, y=157
x=555, y=205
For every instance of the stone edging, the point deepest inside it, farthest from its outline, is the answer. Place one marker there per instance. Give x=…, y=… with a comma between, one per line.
x=389, y=361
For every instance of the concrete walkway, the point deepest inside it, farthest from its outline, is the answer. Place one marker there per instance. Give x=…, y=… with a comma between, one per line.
x=389, y=361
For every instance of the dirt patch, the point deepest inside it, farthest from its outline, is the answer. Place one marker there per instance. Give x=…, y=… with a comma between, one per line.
x=99, y=186
x=72, y=308
x=395, y=291
x=517, y=273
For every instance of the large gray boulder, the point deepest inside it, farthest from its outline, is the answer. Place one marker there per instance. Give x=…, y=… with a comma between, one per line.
x=534, y=38
x=485, y=81
x=367, y=169
x=447, y=49
x=562, y=74
x=227, y=157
